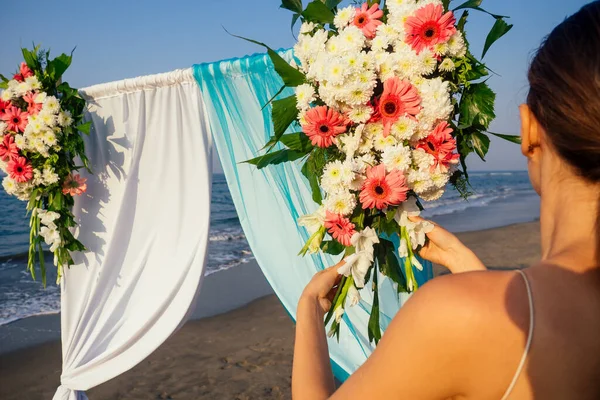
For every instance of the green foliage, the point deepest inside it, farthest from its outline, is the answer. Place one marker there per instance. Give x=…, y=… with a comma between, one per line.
x=477, y=106
x=374, y=329
x=284, y=113
x=332, y=247
x=275, y=157
x=318, y=12
x=292, y=5
x=499, y=29
x=511, y=138
x=312, y=170
x=481, y=144
x=388, y=263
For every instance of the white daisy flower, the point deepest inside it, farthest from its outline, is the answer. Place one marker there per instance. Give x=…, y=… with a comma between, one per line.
x=33, y=82
x=404, y=128
x=9, y=185
x=381, y=143
x=64, y=118
x=336, y=177
x=307, y=27
x=50, y=177
x=342, y=203
x=447, y=65
x=457, y=46
x=305, y=94
x=343, y=17
x=7, y=95
x=51, y=104
x=397, y=157
x=360, y=114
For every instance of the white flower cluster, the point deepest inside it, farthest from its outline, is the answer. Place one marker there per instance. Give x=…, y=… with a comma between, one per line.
x=49, y=230
x=19, y=89
x=40, y=133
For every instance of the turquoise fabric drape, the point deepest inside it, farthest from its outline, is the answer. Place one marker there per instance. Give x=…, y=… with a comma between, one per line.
x=269, y=201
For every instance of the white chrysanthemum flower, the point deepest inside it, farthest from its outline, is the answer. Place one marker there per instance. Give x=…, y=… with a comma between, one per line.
x=373, y=130
x=47, y=118
x=64, y=118
x=22, y=88
x=419, y=181
x=435, y=101
x=447, y=65
x=36, y=125
x=432, y=195
x=381, y=142
x=39, y=145
x=457, y=46
x=24, y=190
x=408, y=63
x=38, y=179
x=7, y=95
x=342, y=203
x=423, y=160
x=365, y=146
x=343, y=17
x=9, y=185
x=441, y=49
x=305, y=94
x=33, y=82
x=336, y=177
x=357, y=95
x=41, y=97
x=50, y=177
x=50, y=138
x=352, y=38
x=349, y=142
x=397, y=157
x=3, y=165
x=440, y=176
x=380, y=43
x=358, y=167
x=335, y=72
x=313, y=222
x=307, y=27
x=427, y=63
x=51, y=105
x=3, y=127
x=360, y=114
x=20, y=142
x=404, y=128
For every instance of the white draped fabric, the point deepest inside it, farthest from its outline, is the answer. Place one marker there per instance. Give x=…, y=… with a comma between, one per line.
x=146, y=221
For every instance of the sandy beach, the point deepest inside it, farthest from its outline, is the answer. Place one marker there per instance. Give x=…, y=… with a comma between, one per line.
x=243, y=353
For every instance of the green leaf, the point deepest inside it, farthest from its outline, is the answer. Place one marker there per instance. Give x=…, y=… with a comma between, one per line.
x=284, y=113
x=478, y=69
x=85, y=128
x=275, y=157
x=294, y=20
x=4, y=79
x=331, y=4
x=290, y=75
x=30, y=58
x=312, y=170
x=292, y=5
x=481, y=144
x=374, y=330
x=297, y=141
x=318, y=12
x=446, y=4
x=462, y=21
x=474, y=4
x=57, y=202
x=390, y=214
x=499, y=29
x=332, y=247
x=42, y=263
x=477, y=106
x=511, y=138
x=388, y=263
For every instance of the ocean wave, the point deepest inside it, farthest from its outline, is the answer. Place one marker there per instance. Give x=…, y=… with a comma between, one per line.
x=226, y=237
x=231, y=264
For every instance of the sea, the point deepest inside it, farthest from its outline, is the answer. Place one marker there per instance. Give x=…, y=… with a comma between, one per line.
x=499, y=198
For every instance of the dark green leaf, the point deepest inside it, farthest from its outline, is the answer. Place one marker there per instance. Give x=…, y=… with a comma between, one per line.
x=339, y=293
x=275, y=157
x=477, y=106
x=446, y=4
x=374, y=330
x=499, y=29
x=332, y=247
x=511, y=138
x=318, y=12
x=481, y=144
x=312, y=170
x=358, y=219
x=30, y=58
x=474, y=4
x=57, y=202
x=4, y=79
x=290, y=75
x=75, y=246
x=297, y=141
x=461, y=184
x=388, y=263
x=85, y=128
x=462, y=21
x=294, y=20
x=284, y=113
x=390, y=214
x=292, y=5
x=331, y=4
x=478, y=70
x=3, y=85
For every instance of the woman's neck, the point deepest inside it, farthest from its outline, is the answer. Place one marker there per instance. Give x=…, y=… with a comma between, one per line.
x=569, y=210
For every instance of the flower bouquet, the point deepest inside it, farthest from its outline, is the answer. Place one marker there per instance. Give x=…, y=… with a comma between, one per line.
x=388, y=103
x=40, y=121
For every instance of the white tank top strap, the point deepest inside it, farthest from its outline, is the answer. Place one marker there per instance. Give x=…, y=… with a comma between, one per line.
x=529, y=338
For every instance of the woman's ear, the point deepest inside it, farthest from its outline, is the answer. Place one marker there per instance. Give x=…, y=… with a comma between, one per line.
x=530, y=131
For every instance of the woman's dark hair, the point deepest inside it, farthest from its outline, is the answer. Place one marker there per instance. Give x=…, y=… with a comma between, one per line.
x=564, y=95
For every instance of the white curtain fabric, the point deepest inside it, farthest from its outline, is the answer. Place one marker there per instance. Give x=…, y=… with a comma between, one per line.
x=145, y=221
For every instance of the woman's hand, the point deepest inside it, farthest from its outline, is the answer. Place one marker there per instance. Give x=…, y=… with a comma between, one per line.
x=323, y=286
x=445, y=249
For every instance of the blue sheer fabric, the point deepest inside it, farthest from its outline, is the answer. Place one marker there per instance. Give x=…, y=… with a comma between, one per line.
x=269, y=201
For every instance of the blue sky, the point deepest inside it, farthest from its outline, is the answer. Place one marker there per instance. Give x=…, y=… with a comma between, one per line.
x=119, y=39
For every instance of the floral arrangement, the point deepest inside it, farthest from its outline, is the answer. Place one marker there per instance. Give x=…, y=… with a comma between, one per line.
x=389, y=101
x=40, y=121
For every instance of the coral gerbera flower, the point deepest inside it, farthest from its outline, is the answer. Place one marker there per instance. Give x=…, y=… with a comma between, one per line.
x=367, y=19
x=340, y=228
x=8, y=148
x=20, y=170
x=15, y=119
x=74, y=185
x=441, y=145
x=381, y=190
x=24, y=72
x=33, y=108
x=322, y=125
x=4, y=105
x=429, y=27
x=399, y=99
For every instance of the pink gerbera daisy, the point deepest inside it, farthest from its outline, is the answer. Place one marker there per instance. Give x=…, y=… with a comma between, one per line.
x=8, y=149
x=16, y=119
x=74, y=185
x=399, y=99
x=4, y=105
x=322, y=125
x=32, y=107
x=429, y=27
x=381, y=190
x=340, y=228
x=24, y=72
x=367, y=19
x=441, y=145
x=19, y=169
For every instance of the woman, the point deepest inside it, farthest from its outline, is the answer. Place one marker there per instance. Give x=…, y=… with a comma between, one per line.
x=481, y=334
